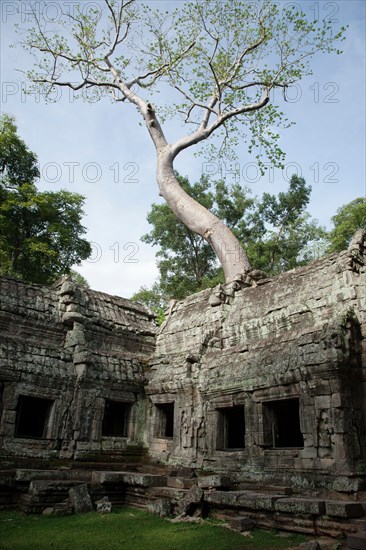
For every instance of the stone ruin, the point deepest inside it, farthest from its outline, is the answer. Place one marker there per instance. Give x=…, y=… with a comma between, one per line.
x=249, y=400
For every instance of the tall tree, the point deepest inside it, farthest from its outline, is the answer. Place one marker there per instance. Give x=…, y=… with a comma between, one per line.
x=220, y=60
x=277, y=231
x=40, y=232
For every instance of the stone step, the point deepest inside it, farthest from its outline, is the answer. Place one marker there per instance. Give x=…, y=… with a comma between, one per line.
x=345, y=509
x=58, y=475
x=128, y=478
x=41, y=486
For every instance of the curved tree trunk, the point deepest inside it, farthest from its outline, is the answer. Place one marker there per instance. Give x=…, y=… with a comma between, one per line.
x=200, y=220
x=196, y=217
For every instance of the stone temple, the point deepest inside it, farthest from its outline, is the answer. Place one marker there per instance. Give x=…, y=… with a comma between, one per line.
x=249, y=401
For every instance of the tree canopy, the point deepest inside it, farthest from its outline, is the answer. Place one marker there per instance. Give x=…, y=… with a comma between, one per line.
x=40, y=232
x=348, y=219
x=219, y=62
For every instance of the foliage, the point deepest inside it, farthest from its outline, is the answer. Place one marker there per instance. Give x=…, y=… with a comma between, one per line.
x=18, y=165
x=276, y=232
x=218, y=59
x=129, y=529
x=40, y=232
x=348, y=219
x=153, y=299
x=78, y=279
x=219, y=62
x=288, y=230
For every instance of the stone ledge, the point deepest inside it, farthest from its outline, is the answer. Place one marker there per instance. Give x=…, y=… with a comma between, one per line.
x=300, y=506
x=241, y=499
x=129, y=478
x=344, y=509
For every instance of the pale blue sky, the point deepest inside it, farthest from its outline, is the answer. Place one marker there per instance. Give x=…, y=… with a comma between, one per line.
x=100, y=151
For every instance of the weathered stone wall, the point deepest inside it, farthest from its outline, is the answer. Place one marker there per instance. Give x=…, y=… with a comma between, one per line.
x=299, y=337
x=76, y=348
x=264, y=380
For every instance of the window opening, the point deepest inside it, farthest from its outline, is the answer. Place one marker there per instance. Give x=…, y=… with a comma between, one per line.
x=115, y=419
x=32, y=417
x=166, y=419
x=281, y=424
x=231, y=428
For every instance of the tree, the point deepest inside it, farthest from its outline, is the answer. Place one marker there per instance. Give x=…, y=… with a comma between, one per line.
x=154, y=299
x=348, y=219
x=77, y=278
x=186, y=261
x=40, y=232
x=18, y=165
x=221, y=62
x=289, y=232
x=277, y=230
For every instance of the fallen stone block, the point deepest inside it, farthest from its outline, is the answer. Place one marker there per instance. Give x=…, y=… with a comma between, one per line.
x=241, y=523
x=104, y=505
x=42, y=486
x=191, y=499
x=357, y=541
x=344, y=509
x=162, y=507
x=58, y=509
x=80, y=499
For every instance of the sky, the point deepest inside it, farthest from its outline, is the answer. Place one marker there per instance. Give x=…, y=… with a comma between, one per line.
x=100, y=150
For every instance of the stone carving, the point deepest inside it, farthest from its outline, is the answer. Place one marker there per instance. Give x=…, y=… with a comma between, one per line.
x=185, y=431
x=202, y=445
x=325, y=432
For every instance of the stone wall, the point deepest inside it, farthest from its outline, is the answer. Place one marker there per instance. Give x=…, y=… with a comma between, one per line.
x=261, y=379
x=268, y=381
x=67, y=354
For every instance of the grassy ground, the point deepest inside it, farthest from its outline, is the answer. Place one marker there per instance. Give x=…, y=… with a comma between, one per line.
x=128, y=529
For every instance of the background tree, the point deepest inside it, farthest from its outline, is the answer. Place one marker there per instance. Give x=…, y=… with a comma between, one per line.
x=221, y=61
x=18, y=165
x=288, y=235
x=278, y=232
x=40, y=232
x=154, y=299
x=348, y=219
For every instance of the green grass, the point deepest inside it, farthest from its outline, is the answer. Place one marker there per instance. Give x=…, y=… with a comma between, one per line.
x=128, y=529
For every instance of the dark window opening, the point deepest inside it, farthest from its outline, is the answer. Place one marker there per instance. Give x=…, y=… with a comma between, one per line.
x=32, y=417
x=231, y=428
x=115, y=419
x=281, y=424
x=166, y=419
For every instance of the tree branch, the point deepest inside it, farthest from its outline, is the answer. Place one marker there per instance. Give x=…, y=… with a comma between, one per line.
x=203, y=133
